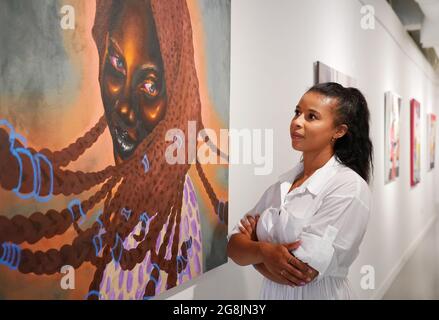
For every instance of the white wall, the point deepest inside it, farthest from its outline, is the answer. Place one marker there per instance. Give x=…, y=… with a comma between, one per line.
x=274, y=46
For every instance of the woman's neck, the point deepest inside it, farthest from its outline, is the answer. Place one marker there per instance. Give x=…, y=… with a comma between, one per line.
x=313, y=161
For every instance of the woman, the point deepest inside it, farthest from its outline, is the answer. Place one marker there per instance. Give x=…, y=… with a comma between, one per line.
x=305, y=231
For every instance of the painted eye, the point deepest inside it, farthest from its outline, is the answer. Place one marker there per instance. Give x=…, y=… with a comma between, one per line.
x=150, y=88
x=117, y=64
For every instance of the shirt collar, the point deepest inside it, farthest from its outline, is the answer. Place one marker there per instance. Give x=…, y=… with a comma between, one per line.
x=317, y=180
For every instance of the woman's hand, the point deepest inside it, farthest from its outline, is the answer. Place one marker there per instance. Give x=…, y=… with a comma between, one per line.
x=311, y=272
x=249, y=226
x=280, y=262
x=273, y=277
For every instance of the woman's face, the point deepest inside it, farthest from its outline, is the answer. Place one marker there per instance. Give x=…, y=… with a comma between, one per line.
x=132, y=82
x=312, y=127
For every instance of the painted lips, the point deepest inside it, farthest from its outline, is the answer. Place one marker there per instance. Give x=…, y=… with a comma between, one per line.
x=124, y=144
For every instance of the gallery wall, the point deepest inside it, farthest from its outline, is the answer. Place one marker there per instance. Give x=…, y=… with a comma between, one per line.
x=274, y=46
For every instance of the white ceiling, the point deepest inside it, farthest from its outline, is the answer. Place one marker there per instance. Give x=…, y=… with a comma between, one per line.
x=421, y=19
x=430, y=24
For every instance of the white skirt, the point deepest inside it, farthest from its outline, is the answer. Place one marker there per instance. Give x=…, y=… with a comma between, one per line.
x=327, y=288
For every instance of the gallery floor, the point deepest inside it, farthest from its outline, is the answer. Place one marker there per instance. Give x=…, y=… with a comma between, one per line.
x=419, y=278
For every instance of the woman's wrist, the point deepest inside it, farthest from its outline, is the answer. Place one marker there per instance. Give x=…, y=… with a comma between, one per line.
x=261, y=247
x=260, y=267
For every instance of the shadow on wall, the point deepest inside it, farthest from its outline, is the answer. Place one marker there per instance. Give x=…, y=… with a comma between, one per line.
x=233, y=285
x=218, y=244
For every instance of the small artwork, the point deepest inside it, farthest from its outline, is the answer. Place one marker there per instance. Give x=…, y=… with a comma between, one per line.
x=415, y=142
x=324, y=73
x=431, y=119
x=392, y=106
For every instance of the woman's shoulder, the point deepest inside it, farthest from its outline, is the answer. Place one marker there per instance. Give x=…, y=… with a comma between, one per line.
x=348, y=183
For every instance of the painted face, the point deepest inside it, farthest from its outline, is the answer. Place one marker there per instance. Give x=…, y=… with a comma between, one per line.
x=312, y=127
x=132, y=82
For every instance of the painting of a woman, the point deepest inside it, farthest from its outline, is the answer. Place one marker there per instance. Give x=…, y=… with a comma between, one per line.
x=146, y=234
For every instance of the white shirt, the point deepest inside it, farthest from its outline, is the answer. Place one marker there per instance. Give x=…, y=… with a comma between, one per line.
x=329, y=213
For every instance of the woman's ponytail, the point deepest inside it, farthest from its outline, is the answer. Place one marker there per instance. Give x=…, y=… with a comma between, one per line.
x=354, y=149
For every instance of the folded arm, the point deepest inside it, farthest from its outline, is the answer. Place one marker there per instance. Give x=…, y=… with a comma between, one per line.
x=273, y=261
x=332, y=239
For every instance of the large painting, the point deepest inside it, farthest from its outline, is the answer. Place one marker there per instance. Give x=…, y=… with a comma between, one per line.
x=324, y=73
x=392, y=109
x=431, y=120
x=415, y=142
x=112, y=182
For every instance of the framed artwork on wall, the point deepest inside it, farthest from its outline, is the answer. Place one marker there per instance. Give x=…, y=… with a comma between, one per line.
x=431, y=136
x=324, y=73
x=392, y=110
x=415, y=142
x=93, y=108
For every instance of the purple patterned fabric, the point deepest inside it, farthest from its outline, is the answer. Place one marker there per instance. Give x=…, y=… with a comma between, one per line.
x=193, y=198
x=140, y=275
x=129, y=281
x=121, y=275
x=194, y=227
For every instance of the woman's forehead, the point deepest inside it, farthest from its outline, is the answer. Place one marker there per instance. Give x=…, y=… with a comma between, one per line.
x=317, y=101
x=134, y=34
